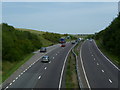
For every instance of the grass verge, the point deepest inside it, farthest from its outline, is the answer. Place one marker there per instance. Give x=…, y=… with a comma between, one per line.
x=115, y=59
x=71, y=74
x=8, y=68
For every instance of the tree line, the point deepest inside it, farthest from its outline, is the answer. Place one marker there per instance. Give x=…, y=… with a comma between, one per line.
x=110, y=37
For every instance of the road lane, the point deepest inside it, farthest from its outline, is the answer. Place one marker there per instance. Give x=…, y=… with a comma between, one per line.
x=39, y=75
x=100, y=73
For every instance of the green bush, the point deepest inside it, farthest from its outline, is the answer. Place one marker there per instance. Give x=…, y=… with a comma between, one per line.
x=16, y=44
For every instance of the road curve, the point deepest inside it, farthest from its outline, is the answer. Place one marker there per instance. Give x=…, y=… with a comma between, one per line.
x=43, y=75
x=99, y=71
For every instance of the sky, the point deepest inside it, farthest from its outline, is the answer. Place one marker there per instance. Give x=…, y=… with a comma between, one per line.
x=60, y=17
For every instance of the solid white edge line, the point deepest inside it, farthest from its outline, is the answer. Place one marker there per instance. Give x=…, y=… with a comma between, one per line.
x=105, y=56
x=83, y=67
x=64, y=67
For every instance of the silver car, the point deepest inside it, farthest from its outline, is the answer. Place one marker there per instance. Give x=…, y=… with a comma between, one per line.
x=45, y=59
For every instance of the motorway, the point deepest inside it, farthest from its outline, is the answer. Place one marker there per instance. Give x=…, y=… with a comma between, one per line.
x=44, y=75
x=100, y=72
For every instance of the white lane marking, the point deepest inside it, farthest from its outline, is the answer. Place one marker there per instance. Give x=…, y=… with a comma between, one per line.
x=45, y=68
x=53, y=57
x=91, y=55
x=13, y=80
x=97, y=63
x=19, y=75
x=106, y=57
x=110, y=81
x=39, y=77
x=23, y=71
x=10, y=84
x=94, y=58
x=102, y=70
x=26, y=69
x=36, y=61
x=63, y=68
x=83, y=68
x=6, y=87
x=50, y=62
x=16, y=78
x=56, y=54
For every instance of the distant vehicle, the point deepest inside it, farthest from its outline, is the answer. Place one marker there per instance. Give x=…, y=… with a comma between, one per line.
x=73, y=42
x=43, y=49
x=63, y=45
x=45, y=59
x=62, y=40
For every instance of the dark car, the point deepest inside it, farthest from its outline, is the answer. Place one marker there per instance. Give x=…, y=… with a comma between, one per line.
x=43, y=49
x=45, y=59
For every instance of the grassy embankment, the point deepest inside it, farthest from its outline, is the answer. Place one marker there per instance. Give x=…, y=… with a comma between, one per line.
x=44, y=41
x=21, y=43
x=71, y=74
x=10, y=68
x=112, y=57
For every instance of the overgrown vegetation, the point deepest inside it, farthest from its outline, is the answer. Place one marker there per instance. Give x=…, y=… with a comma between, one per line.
x=71, y=75
x=53, y=37
x=109, y=38
x=16, y=44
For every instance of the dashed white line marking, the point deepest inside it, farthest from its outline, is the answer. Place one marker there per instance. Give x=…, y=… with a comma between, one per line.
x=39, y=77
x=56, y=54
x=10, y=83
x=19, y=76
x=91, y=55
x=97, y=63
x=26, y=69
x=45, y=67
x=102, y=70
x=110, y=81
x=21, y=73
x=13, y=80
x=6, y=87
x=94, y=58
x=16, y=77
x=53, y=57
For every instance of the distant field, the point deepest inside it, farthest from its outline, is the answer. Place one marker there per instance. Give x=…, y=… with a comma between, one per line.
x=39, y=33
x=30, y=30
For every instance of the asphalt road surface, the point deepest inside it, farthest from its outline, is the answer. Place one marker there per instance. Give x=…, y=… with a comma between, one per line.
x=44, y=75
x=100, y=72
